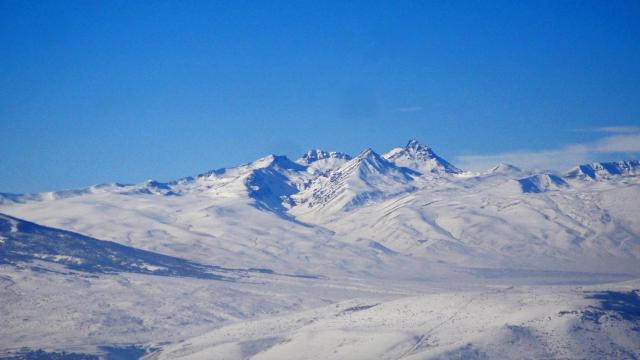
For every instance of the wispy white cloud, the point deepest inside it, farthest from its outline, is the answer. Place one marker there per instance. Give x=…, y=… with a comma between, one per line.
x=611, y=129
x=408, y=109
x=628, y=143
x=621, y=140
x=619, y=129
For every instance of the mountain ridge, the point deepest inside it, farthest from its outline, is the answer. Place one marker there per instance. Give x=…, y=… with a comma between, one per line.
x=320, y=163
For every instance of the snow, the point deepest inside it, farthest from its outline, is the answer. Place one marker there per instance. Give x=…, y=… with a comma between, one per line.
x=503, y=322
x=14, y=226
x=313, y=156
x=406, y=256
x=58, y=258
x=542, y=182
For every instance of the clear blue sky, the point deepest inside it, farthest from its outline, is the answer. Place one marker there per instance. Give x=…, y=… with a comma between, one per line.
x=101, y=91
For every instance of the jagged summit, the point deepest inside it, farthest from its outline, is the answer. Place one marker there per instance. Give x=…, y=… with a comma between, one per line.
x=314, y=155
x=368, y=153
x=420, y=158
x=415, y=144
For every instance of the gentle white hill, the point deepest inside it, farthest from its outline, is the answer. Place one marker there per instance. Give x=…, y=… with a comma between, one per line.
x=500, y=323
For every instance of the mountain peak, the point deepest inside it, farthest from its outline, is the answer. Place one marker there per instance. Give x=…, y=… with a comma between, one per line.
x=414, y=144
x=276, y=160
x=370, y=160
x=421, y=158
x=503, y=168
x=368, y=152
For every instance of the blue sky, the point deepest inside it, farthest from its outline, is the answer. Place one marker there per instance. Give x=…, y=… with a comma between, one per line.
x=102, y=91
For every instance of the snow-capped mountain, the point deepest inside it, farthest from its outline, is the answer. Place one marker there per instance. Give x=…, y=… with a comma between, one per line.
x=598, y=171
x=503, y=168
x=270, y=240
x=420, y=158
x=409, y=201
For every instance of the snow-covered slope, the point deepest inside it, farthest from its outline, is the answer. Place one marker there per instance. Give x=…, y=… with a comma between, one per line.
x=542, y=182
x=502, y=323
x=25, y=242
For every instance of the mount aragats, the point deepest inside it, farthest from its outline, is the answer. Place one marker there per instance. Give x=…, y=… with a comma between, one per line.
x=400, y=255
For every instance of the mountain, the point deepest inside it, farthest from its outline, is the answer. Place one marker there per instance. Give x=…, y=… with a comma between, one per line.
x=277, y=257
x=598, y=171
x=420, y=158
x=267, y=182
x=503, y=168
x=383, y=203
x=542, y=182
x=364, y=178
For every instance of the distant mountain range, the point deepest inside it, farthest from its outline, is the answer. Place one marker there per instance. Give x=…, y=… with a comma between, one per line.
x=285, y=177
x=408, y=201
